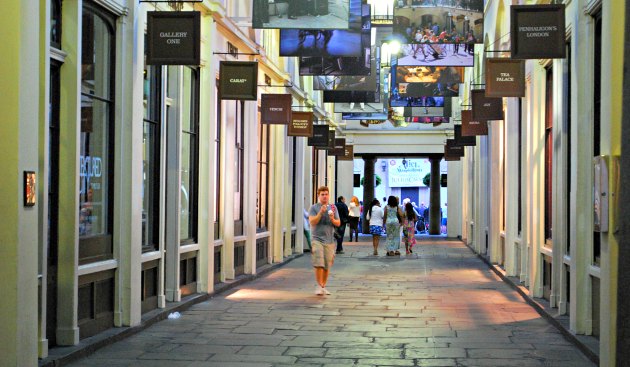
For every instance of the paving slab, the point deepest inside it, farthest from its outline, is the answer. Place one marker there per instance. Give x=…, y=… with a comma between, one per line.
x=441, y=306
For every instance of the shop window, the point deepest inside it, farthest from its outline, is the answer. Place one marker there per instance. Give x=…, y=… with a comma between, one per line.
x=217, y=164
x=151, y=143
x=239, y=163
x=548, y=153
x=293, y=167
x=597, y=91
x=189, y=156
x=55, y=23
x=519, y=215
x=315, y=174
x=262, y=221
x=568, y=146
x=96, y=149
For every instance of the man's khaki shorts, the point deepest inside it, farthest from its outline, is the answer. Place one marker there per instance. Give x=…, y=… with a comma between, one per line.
x=323, y=254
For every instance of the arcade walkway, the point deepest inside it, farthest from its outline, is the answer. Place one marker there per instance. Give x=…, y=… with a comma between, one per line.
x=441, y=306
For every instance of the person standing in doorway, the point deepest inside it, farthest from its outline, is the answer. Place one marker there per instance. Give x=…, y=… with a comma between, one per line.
x=323, y=218
x=375, y=216
x=353, y=218
x=342, y=209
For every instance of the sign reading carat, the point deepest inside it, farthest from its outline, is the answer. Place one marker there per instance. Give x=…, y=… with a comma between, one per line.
x=238, y=80
x=409, y=174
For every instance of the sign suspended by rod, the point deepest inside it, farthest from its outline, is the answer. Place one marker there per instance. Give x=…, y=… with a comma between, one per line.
x=485, y=108
x=505, y=78
x=173, y=37
x=275, y=108
x=301, y=124
x=238, y=80
x=538, y=31
x=472, y=127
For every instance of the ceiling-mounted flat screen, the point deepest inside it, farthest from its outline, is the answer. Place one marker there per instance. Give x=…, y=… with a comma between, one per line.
x=417, y=101
x=533, y=26
x=347, y=41
x=334, y=96
x=358, y=107
x=315, y=65
x=364, y=116
x=294, y=14
x=350, y=83
x=419, y=111
x=435, y=54
x=424, y=21
x=419, y=81
x=427, y=120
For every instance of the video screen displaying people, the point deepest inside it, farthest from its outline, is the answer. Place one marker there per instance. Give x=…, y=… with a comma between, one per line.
x=301, y=14
x=417, y=101
x=358, y=107
x=419, y=81
x=436, y=54
x=314, y=65
x=420, y=111
x=439, y=21
x=347, y=82
x=349, y=41
x=364, y=116
x=427, y=119
x=347, y=96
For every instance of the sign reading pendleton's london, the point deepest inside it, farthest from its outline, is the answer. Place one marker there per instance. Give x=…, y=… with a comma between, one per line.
x=505, y=78
x=538, y=31
x=275, y=108
x=173, y=37
x=301, y=124
x=238, y=80
x=484, y=108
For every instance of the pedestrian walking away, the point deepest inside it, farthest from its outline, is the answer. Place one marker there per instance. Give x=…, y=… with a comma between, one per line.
x=375, y=216
x=323, y=218
x=342, y=209
x=393, y=221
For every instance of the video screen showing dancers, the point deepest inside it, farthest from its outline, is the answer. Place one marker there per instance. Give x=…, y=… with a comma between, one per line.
x=301, y=14
x=364, y=116
x=348, y=82
x=346, y=42
x=439, y=21
x=417, y=101
x=436, y=54
x=427, y=120
x=358, y=107
x=419, y=81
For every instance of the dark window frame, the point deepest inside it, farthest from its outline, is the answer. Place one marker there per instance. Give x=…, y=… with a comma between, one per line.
x=56, y=23
x=293, y=142
x=239, y=151
x=519, y=217
x=92, y=243
x=315, y=174
x=263, y=167
x=569, y=147
x=193, y=193
x=217, y=147
x=154, y=122
x=548, y=173
x=597, y=90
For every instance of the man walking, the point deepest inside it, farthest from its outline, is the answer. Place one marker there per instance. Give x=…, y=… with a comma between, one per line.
x=323, y=218
x=342, y=208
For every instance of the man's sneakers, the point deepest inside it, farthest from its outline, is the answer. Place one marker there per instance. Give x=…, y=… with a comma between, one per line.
x=320, y=291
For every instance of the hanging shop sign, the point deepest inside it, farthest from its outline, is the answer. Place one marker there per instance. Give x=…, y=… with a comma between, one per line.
x=339, y=149
x=472, y=127
x=505, y=78
x=238, y=80
x=301, y=124
x=453, y=152
x=467, y=141
x=173, y=37
x=348, y=153
x=538, y=31
x=319, y=138
x=275, y=108
x=444, y=180
x=331, y=140
x=484, y=108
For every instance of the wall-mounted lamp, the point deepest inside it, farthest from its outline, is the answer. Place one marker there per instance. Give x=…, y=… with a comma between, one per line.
x=384, y=165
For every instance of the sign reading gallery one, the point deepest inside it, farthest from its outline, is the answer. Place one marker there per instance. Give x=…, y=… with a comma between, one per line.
x=538, y=31
x=505, y=78
x=173, y=37
x=238, y=80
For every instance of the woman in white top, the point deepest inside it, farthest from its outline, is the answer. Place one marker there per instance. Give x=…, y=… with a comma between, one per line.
x=375, y=216
x=354, y=215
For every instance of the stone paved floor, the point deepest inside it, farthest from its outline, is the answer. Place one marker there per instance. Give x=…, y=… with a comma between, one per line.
x=441, y=306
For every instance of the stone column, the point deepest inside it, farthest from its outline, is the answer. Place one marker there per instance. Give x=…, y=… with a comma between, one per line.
x=434, y=195
x=368, y=188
